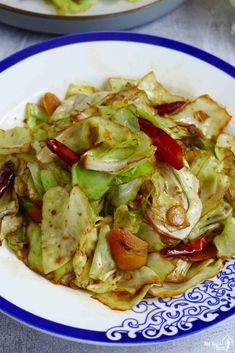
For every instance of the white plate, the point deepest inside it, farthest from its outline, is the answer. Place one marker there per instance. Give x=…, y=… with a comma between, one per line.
x=91, y=58
x=106, y=14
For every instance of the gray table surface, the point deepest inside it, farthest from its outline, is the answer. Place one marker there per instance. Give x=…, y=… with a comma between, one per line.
x=203, y=23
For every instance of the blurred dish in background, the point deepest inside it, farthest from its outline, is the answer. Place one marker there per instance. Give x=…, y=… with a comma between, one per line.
x=104, y=15
x=76, y=6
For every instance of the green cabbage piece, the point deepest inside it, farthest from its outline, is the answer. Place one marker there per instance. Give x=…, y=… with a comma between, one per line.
x=138, y=101
x=16, y=140
x=77, y=105
x=103, y=265
x=196, y=274
x=94, y=184
x=36, y=177
x=35, y=115
x=83, y=257
x=142, y=108
x=117, y=83
x=114, y=160
x=35, y=247
x=87, y=133
x=225, y=144
x=164, y=123
x=165, y=183
x=225, y=152
x=54, y=176
x=65, y=217
x=40, y=135
x=48, y=179
x=10, y=224
x=180, y=271
x=155, y=91
x=75, y=89
x=103, y=272
x=144, y=168
x=212, y=221
x=102, y=287
x=160, y=265
x=122, y=300
x=24, y=186
x=122, y=194
x=16, y=241
x=204, y=113
x=126, y=117
x=128, y=219
x=213, y=183
x=132, y=281
x=9, y=204
x=225, y=242
x=148, y=234
x=64, y=274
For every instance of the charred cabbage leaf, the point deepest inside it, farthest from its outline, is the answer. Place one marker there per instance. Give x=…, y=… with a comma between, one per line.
x=17, y=140
x=204, y=113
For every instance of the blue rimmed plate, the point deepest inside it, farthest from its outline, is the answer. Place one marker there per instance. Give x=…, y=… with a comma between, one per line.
x=91, y=58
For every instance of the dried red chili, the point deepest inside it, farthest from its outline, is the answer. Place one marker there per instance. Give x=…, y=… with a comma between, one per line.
x=193, y=247
x=62, y=151
x=168, y=149
x=168, y=108
x=7, y=176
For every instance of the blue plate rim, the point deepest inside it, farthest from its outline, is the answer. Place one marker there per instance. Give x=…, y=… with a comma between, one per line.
x=117, y=36
x=73, y=333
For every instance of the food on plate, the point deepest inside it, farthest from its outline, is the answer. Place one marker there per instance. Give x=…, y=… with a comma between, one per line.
x=127, y=192
x=74, y=6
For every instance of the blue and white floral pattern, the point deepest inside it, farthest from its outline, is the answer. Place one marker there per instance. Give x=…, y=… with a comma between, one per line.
x=167, y=317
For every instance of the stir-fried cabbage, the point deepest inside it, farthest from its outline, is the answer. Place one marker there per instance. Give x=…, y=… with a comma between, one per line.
x=126, y=192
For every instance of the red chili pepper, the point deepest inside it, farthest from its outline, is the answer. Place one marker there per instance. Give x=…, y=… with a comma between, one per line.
x=193, y=247
x=208, y=253
x=168, y=108
x=168, y=149
x=62, y=151
x=7, y=176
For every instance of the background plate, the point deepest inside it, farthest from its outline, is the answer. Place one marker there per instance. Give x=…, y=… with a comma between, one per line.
x=106, y=15
x=91, y=58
